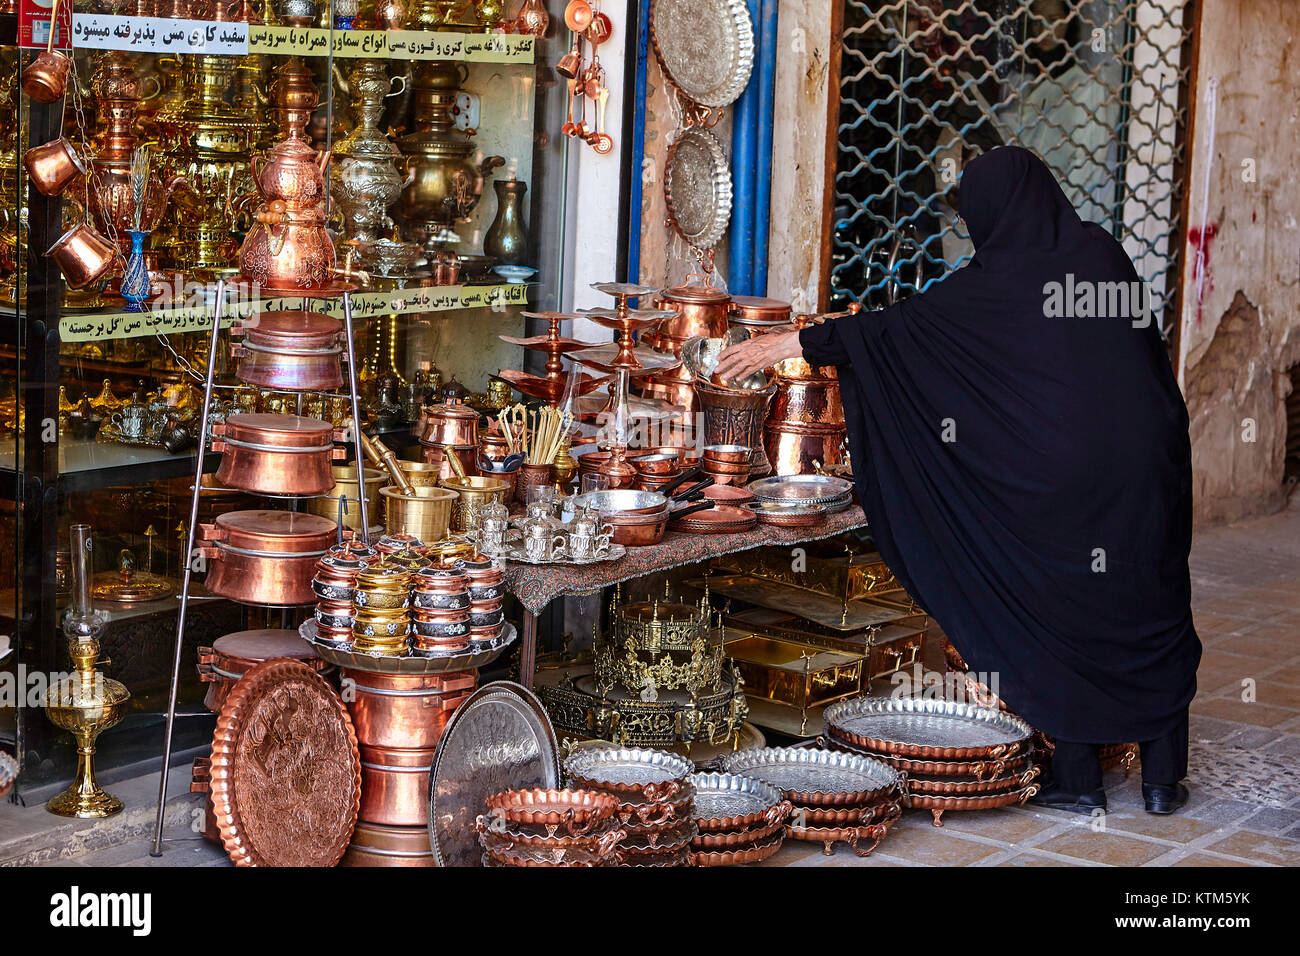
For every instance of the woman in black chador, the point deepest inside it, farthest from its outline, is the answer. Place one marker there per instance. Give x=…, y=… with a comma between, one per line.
x=1021, y=451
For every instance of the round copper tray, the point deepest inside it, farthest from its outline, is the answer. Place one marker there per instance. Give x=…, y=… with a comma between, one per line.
x=285, y=772
x=938, y=805
x=551, y=849
x=547, y=836
x=574, y=858
x=720, y=519
x=959, y=786
x=787, y=515
x=721, y=840
x=578, y=811
x=630, y=858
x=829, y=836
x=975, y=769
x=860, y=816
x=645, y=814
x=840, y=779
x=927, y=729
x=736, y=802
x=750, y=854
x=735, y=495
x=664, y=839
x=636, y=773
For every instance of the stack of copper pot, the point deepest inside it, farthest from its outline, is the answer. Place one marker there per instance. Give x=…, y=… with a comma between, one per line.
x=399, y=719
x=805, y=431
x=702, y=310
x=333, y=585
x=440, y=609
x=487, y=597
x=222, y=665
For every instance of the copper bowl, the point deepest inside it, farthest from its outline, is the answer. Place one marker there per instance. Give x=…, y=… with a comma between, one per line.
x=727, y=467
x=577, y=812
x=733, y=454
x=664, y=463
x=276, y=454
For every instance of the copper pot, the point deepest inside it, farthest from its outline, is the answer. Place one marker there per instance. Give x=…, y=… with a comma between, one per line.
x=374, y=844
x=294, y=349
x=658, y=465
x=758, y=314
x=405, y=710
x=265, y=557
x=276, y=454
x=345, y=485
x=702, y=311
x=795, y=449
x=231, y=656
x=805, y=429
x=46, y=78
x=52, y=166
x=395, y=786
x=634, y=530
x=288, y=251
x=83, y=256
x=735, y=417
x=451, y=423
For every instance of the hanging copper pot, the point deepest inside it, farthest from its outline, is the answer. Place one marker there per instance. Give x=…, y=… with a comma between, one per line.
x=231, y=656
x=83, y=256
x=265, y=557
x=277, y=454
x=294, y=350
x=52, y=166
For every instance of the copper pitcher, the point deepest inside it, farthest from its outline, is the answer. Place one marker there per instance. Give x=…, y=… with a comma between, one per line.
x=52, y=166
x=83, y=256
x=46, y=78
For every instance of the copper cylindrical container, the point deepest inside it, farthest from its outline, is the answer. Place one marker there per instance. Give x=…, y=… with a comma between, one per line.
x=265, y=557
x=395, y=786
x=735, y=416
x=438, y=588
x=425, y=513
x=473, y=492
x=83, y=256
x=702, y=311
x=276, y=454
x=532, y=476
x=757, y=314
x=374, y=844
x=345, y=483
x=805, y=428
x=231, y=656
x=795, y=449
x=405, y=710
x=294, y=349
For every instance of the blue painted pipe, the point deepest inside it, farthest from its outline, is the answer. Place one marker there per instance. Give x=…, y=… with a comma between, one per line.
x=638, y=142
x=744, y=164
x=765, y=70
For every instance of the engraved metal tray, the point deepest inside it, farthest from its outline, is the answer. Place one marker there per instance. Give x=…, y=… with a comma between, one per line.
x=729, y=801
x=931, y=729
x=499, y=739
x=697, y=188
x=706, y=47
x=634, y=770
x=970, y=769
x=811, y=489
x=815, y=777
x=479, y=654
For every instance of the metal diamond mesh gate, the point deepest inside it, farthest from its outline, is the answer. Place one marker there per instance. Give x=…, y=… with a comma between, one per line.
x=1096, y=87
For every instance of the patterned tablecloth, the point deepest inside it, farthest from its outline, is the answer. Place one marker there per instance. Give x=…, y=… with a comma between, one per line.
x=536, y=585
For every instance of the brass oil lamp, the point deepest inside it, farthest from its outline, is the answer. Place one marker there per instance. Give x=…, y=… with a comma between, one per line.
x=445, y=182
x=364, y=180
x=85, y=703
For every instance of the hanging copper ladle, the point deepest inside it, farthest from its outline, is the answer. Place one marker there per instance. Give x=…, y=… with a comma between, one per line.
x=46, y=78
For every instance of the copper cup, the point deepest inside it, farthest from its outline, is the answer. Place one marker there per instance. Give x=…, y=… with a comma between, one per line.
x=83, y=255
x=46, y=77
x=52, y=166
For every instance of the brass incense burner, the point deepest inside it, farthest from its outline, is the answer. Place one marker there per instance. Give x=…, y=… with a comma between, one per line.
x=444, y=181
x=86, y=703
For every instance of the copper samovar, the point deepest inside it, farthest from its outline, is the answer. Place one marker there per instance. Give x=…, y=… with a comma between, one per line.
x=288, y=248
x=117, y=95
x=364, y=180
x=446, y=182
x=805, y=431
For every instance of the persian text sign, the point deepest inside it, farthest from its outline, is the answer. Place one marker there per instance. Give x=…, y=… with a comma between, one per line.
x=97, y=31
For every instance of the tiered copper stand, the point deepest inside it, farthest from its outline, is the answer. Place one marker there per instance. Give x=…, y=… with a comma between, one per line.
x=549, y=388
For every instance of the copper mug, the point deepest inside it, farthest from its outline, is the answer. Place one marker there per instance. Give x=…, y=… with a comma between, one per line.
x=46, y=77
x=52, y=166
x=83, y=255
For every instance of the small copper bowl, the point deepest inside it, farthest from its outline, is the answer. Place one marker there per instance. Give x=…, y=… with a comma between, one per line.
x=735, y=454
x=726, y=467
x=664, y=464
x=574, y=811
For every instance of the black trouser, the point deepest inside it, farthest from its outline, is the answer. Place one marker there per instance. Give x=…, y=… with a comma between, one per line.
x=1076, y=767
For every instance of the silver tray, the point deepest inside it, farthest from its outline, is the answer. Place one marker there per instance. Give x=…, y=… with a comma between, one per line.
x=706, y=47
x=916, y=727
x=697, y=188
x=627, y=768
x=499, y=739
x=478, y=654
x=731, y=801
x=615, y=552
x=811, y=489
x=814, y=776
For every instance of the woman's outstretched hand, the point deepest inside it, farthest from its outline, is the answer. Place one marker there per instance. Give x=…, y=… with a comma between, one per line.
x=760, y=352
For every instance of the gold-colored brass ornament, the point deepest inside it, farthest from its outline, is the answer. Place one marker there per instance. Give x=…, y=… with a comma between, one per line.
x=445, y=182
x=85, y=703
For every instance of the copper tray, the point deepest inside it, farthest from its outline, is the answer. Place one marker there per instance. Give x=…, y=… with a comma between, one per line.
x=628, y=858
x=730, y=802
x=605, y=830
x=660, y=839
x=728, y=839
x=655, y=776
x=551, y=849
x=579, y=812
x=829, y=836
x=640, y=814
x=751, y=854
x=499, y=739
x=566, y=858
x=285, y=771
x=965, y=787
x=815, y=777
x=928, y=729
x=787, y=515
x=720, y=519
x=937, y=805
x=973, y=769
x=859, y=816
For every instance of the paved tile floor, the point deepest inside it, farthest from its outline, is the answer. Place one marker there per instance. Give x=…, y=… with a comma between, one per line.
x=1244, y=774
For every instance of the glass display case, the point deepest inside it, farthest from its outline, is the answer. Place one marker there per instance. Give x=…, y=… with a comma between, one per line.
x=157, y=173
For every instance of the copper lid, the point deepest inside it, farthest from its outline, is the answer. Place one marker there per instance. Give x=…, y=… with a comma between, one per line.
x=263, y=644
x=286, y=773
x=289, y=532
x=695, y=292
x=759, y=308
x=128, y=586
x=287, y=431
x=451, y=410
x=293, y=323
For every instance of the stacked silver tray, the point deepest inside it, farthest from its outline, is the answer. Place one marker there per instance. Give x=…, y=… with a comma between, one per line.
x=740, y=819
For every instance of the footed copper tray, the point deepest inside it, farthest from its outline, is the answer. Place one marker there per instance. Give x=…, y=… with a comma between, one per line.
x=755, y=853
x=974, y=769
x=829, y=836
x=660, y=839
x=730, y=839
x=861, y=816
x=938, y=805
x=965, y=787
x=730, y=802
x=928, y=729
x=285, y=769
x=815, y=777
x=640, y=814
x=577, y=812
x=653, y=775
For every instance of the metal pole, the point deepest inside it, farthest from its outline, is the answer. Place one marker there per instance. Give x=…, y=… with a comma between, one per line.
x=528, y=650
x=189, y=563
x=356, y=418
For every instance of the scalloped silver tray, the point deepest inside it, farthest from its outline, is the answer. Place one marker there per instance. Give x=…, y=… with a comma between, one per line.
x=706, y=47
x=698, y=188
x=476, y=656
x=810, y=489
x=916, y=727
x=627, y=768
x=817, y=777
x=730, y=801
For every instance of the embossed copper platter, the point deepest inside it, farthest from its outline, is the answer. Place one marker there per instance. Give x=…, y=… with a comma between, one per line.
x=706, y=47
x=499, y=739
x=638, y=813
x=728, y=801
x=653, y=775
x=928, y=729
x=665, y=839
x=815, y=777
x=285, y=770
x=755, y=853
x=730, y=839
x=697, y=187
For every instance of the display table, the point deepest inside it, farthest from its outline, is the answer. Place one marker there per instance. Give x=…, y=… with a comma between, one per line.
x=535, y=586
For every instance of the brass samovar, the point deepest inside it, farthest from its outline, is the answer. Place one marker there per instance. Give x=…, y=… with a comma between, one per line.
x=86, y=703
x=447, y=183
x=364, y=180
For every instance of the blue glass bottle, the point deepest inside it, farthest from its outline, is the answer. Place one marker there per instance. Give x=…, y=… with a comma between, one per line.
x=135, y=280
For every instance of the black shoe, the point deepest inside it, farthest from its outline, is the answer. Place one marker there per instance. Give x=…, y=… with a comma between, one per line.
x=1055, y=798
x=1164, y=798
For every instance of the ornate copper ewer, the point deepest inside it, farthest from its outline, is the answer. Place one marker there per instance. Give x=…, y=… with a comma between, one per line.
x=364, y=179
